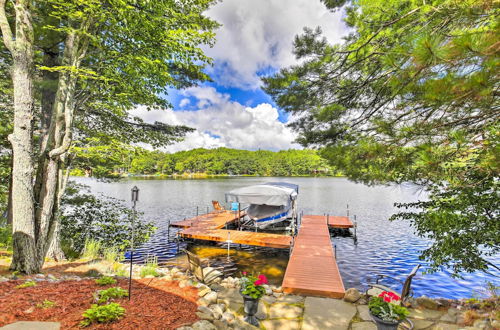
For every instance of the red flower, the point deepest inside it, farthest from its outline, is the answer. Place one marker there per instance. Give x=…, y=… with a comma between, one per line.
x=263, y=279
x=244, y=273
x=389, y=296
x=258, y=282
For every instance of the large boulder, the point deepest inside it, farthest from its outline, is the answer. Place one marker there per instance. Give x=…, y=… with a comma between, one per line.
x=352, y=295
x=203, y=325
x=427, y=302
x=211, y=297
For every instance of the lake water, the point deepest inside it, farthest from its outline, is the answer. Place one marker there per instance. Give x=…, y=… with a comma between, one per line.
x=382, y=247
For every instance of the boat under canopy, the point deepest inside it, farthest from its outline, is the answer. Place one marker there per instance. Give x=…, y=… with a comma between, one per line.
x=269, y=203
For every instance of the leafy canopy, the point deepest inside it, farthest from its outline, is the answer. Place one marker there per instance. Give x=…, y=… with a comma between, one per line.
x=410, y=95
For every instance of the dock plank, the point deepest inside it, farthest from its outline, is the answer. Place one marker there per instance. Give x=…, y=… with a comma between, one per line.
x=312, y=269
x=212, y=220
x=238, y=237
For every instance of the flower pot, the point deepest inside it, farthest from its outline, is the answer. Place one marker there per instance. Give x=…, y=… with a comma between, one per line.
x=385, y=325
x=251, y=306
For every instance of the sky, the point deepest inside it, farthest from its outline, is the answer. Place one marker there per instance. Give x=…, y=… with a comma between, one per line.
x=255, y=40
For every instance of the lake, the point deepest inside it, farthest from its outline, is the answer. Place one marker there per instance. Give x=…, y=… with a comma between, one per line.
x=382, y=247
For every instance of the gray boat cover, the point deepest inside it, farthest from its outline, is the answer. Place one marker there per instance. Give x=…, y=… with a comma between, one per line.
x=274, y=193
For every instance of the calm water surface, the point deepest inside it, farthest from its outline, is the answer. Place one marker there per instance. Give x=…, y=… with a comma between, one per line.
x=382, y=247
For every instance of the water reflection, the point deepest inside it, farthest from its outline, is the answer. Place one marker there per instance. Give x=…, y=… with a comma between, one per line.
x=382, y=247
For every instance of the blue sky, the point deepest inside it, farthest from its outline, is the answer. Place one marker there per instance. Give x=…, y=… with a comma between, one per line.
x=255, y=40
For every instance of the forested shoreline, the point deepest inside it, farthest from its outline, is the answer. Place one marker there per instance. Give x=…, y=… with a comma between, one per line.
x=116, y=160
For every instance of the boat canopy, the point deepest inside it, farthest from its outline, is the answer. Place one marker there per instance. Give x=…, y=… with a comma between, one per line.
x=272, y=193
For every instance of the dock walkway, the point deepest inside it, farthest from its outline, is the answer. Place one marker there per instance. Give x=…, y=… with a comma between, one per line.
x=312, y=269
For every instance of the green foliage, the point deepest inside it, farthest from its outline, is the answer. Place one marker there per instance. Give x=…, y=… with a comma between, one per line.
x=5, y=237
x=26, y=284
x=118, y=158
x=103, y=296
x=100, y=219
x=102, y=314
x=46, y=304
x=410, y=96
x=111, y=254
x=91, y=249
x=5, y=146
x=387, y=311
x=150, y=267
x=105, y=280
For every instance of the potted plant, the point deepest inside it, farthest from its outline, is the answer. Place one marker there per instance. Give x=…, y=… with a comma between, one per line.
x=252, y=290
x=386, y=311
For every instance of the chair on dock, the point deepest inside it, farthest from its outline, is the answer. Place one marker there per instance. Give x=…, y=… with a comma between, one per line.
x=376, y=288
x=206, y=274
x=217, y=206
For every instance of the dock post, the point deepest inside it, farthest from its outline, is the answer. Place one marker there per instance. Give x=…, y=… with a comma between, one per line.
x=197, y=211
x=178, y=243
x=327, y=219
x=168, y=232
x=228, y=243
x=335, y=250
x=347, y=209
x=355, y=227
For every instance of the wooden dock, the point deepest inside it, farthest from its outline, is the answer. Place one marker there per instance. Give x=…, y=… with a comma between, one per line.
x=312, y=269
x=238, y=237
x=208, y=227
x=212, y=220
x=333, y=221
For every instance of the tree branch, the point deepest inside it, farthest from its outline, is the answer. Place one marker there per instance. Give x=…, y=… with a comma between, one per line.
x=5, y=27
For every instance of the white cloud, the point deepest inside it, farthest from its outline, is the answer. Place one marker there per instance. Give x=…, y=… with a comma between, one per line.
x=184, y=102
x=221, y=122
x=257, y=35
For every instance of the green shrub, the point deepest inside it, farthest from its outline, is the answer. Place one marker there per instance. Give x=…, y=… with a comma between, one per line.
x=105, y=280
x=151, y=267
x=104, y=296
x=91, y=249
x=102, y=314
x=122, y=272
x=99, y=218
x=26, y=284
x=46, y=304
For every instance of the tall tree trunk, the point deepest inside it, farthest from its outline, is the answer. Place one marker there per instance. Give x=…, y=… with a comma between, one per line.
x=23, y=208
x=55, y=250
x=57, y=144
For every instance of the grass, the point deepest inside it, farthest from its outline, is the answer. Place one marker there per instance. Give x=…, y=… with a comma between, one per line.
x=470, y=316
x=151, y=267
x=111, y=255
x=92, y=249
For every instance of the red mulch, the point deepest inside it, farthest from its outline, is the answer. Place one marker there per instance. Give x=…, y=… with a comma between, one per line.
x=155, y=304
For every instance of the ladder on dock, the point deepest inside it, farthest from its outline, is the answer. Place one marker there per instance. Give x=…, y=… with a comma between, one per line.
x=312, y=268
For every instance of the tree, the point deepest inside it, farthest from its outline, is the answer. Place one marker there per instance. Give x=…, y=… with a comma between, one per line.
x=97, y=60
x=410, y=95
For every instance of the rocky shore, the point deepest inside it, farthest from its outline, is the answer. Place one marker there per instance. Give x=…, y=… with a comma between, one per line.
x=220, y=306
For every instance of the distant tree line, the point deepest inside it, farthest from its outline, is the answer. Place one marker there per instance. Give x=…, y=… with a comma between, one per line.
x=116, y=159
